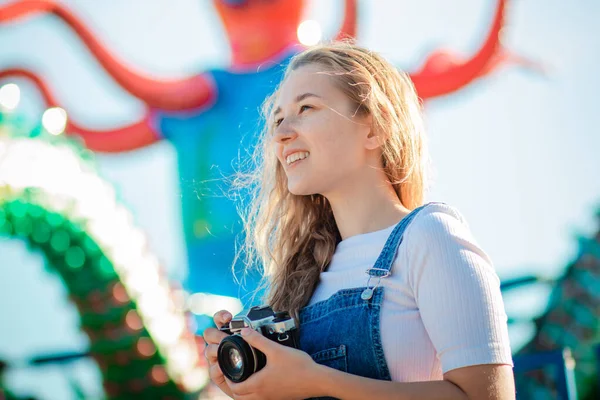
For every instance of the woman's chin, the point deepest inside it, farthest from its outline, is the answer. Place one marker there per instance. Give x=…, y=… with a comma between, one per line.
x=300, y=190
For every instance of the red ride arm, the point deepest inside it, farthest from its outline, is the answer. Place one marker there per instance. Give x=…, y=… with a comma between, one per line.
x=348, y=28
x=186, y=93
x=126, y=138
x=117, y=140
x=431, y=82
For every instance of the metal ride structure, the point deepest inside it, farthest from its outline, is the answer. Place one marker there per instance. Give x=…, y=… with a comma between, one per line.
x=562, y=359
x=52, y=199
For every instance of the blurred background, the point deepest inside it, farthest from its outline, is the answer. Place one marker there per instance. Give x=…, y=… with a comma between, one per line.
x=121, y=122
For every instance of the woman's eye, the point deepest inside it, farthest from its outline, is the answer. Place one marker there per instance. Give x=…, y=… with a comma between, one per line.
x=305, y=107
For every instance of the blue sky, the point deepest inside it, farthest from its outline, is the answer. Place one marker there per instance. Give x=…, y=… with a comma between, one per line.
x=514, y=152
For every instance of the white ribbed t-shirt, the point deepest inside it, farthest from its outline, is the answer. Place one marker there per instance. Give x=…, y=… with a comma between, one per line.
x=442, y=306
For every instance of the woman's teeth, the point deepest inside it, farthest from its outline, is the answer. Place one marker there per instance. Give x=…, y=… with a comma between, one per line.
x=296, y=156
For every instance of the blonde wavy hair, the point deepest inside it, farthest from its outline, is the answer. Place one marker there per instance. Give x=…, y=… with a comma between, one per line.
x=292, y=238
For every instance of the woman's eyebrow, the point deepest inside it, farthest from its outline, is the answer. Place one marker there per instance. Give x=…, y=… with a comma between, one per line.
x=298, y=99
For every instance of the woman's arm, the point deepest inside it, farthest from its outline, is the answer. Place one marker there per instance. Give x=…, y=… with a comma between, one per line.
x=292, y=374
x=475, y=382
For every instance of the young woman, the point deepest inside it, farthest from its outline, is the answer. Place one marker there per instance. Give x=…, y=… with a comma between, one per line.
x=395, y=299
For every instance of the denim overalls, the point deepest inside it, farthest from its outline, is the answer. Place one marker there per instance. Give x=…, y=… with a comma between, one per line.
x=342, y=332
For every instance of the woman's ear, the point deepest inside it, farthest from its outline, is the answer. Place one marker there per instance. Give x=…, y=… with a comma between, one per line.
x=373, y=140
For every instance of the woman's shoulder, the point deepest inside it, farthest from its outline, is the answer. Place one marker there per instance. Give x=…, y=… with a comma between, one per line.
x=439, y=211
x=437, y=221
x=439, y=237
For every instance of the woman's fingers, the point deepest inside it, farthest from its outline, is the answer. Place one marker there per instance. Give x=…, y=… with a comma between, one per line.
x=221, y=318
x=213, y=336
x=216, y=375
x=210, y=353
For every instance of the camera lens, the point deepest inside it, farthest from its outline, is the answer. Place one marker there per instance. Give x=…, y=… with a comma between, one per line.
x=238, y=360
x=235, y=359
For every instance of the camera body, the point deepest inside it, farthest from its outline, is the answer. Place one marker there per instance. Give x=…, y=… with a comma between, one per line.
x=276, y=326
x=237, y=359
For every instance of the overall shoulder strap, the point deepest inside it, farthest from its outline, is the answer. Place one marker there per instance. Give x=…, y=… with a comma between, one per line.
x=383, y=265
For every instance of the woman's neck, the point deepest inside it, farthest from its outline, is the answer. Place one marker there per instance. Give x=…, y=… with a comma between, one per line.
x=359, y=206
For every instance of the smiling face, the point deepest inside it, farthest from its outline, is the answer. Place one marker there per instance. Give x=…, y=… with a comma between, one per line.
x=320, y=139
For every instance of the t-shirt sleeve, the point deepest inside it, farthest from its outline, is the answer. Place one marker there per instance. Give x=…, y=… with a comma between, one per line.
x=457, y=291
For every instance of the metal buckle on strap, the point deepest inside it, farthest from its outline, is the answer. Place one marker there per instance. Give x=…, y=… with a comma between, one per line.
x=386, y=274
x=368, y=292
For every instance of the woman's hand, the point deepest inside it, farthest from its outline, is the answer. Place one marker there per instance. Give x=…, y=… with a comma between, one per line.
x=289, y=373
x=213, y=337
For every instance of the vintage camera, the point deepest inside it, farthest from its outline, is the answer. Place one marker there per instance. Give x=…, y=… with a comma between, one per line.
x=237, y=359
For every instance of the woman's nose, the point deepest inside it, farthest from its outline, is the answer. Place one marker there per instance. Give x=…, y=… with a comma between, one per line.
x=285, y=132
